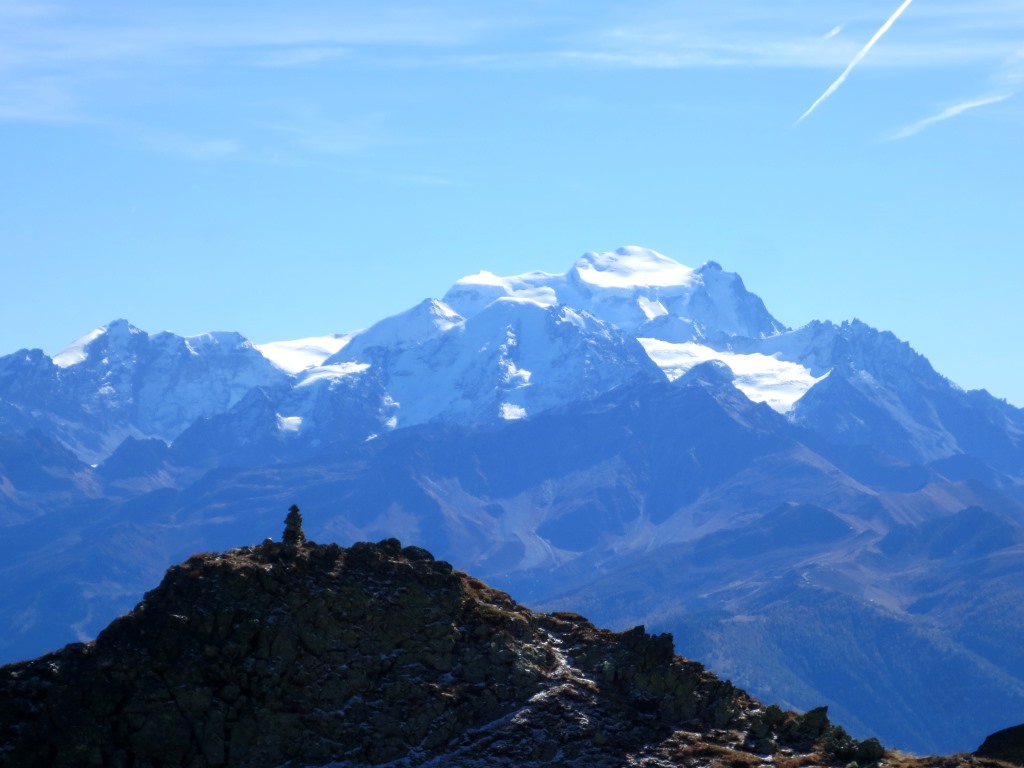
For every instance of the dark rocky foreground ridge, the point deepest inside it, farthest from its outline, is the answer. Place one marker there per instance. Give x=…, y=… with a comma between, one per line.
x=298, y=654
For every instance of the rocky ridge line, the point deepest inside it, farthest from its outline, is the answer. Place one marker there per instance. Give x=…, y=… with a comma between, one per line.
x=297, y=654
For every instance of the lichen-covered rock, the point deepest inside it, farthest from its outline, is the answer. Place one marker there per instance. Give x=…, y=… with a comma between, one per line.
x=298, y=654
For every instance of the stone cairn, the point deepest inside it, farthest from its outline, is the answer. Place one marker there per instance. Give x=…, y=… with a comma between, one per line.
x=293, y=534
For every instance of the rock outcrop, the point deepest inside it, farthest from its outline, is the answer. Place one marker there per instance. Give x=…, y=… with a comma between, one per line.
x=1007, y=744
x=298, y=654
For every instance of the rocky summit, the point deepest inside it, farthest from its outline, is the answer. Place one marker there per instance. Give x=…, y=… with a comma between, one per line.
x=299, y=654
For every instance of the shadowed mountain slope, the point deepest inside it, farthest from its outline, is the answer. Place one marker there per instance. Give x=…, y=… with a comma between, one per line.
x=301, y=654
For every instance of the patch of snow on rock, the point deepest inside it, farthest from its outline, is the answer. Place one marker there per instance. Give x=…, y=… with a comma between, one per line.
x=511, y=412
x=289, y=423
x=762, y=378
x=333, y=372
x=652, y=308
x=300, y=355
x=75, y=352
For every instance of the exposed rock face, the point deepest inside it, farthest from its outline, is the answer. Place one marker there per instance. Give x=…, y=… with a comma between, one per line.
x=1007, y=744
x=300, y=654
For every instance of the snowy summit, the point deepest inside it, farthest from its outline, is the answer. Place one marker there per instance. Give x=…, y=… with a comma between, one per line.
x=631, y=267
x=637, y=289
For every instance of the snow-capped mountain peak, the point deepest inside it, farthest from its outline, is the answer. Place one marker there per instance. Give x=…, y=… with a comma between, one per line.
x=472, y=294
x=411, y=328
x=74, y=352
x=494, y=347
x=629, y=268
x=514, y=358
x=216, y=341
x=114, y=333
x=681, y=315
x=639, y=290
x=119, y=381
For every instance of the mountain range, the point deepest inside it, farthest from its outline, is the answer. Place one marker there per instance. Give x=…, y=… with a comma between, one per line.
x=815, y=513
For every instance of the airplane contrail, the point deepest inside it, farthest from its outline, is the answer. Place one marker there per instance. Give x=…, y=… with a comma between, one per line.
x=946, y=114
x=856, y=59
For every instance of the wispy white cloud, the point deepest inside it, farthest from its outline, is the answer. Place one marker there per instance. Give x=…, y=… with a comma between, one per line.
x=946, y=114
x=427, y=180
x=704, y=49
x=748, y=35
x=189, y=147
x=314, y=132
x=299, y=56
x=39, y=99
x=129, y=70
x=788, y=33
x=857, y=59
x=98, y=62
x=54, y=38
x=13, y=10
x=1006, y=83
x=1011, y=74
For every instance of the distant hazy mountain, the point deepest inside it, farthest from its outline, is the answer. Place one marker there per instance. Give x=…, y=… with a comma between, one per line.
x=816, y=512
x=118, y=381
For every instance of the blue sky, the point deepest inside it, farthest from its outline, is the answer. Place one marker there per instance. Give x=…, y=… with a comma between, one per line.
x=297, y=170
